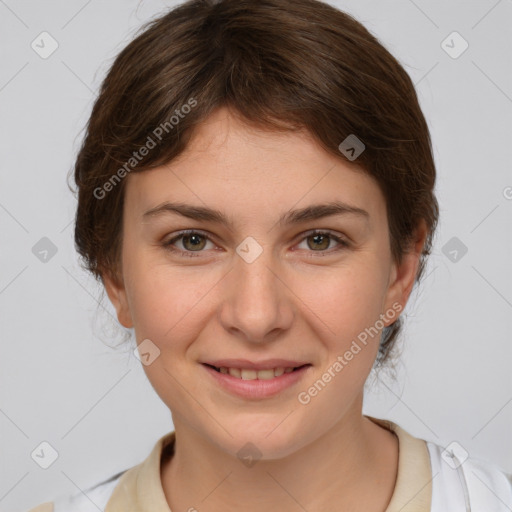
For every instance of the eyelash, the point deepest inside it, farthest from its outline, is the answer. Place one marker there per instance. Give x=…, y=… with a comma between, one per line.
x=168, y=245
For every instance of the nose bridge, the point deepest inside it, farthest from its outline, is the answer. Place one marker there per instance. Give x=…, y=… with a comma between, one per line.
x=255, y=303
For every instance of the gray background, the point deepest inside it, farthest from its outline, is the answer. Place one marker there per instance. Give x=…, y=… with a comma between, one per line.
x=60, y=380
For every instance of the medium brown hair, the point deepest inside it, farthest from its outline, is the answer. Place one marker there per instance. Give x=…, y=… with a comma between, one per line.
x=279, y=65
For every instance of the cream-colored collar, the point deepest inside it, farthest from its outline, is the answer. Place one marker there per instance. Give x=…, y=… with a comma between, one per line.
x=413, y=488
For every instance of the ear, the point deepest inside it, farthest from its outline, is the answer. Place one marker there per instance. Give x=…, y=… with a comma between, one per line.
x=117, y=294
x=402, y=277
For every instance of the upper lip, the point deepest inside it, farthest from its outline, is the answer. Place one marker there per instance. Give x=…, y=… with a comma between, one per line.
x=267, y=364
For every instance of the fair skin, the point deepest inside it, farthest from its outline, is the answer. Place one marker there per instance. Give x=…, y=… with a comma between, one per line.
x=302, y=298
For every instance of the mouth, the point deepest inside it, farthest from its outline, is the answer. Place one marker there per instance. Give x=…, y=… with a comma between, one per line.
x=253, y=374
x=262, y=381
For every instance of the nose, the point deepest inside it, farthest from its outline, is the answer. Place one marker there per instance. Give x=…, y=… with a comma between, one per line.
x=257, y=303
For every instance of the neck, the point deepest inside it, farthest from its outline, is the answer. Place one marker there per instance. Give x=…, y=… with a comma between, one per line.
x=353, y=465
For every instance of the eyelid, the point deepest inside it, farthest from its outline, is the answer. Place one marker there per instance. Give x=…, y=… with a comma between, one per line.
x=319, y=231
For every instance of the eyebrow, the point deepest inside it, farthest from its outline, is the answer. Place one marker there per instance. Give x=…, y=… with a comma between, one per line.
x=312, y=212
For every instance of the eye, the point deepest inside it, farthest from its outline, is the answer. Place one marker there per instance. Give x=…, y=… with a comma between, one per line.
x=319, y=241
x=191, y=240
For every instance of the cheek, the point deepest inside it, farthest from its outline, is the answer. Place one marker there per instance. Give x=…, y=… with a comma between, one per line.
x=349, y=303
x=162, y=304
x=345, y=301
x=170, y=305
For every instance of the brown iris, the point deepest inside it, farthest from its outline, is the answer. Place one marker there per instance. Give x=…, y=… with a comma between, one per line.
x=318, y=238
x=195, y=240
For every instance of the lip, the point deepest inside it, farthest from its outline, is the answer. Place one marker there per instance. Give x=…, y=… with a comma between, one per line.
x=256, y=389
x=267, y=364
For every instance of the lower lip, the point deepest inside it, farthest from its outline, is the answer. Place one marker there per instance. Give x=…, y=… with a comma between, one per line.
x=256, y=389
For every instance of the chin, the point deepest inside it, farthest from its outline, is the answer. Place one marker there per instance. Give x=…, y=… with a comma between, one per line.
x=269, y=438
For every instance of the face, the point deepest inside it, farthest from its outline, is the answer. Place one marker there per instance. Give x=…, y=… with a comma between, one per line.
x=257, y=284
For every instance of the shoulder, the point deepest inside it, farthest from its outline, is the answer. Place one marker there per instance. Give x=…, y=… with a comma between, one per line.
x=458, y=479
x=125, y=485
x=91, y=500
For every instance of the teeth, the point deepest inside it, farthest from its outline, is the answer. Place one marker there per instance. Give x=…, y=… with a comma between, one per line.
x=245, y=374
x=262, y=374
x=235, y=372
x=249, y=374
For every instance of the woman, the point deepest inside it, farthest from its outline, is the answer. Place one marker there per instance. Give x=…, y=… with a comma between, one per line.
x=256, y=194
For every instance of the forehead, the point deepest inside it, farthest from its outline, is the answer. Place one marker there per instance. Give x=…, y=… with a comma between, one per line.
x=231, y=166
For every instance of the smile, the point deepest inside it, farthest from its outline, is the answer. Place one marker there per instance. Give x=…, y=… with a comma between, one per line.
x=252, y=384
